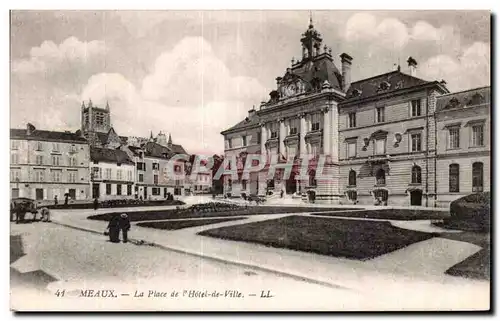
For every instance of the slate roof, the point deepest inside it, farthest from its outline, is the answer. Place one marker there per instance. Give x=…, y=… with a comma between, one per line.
x=178, y=149
x=245, y=123
x=463, y=99
x=109, y=156
x=47, y=135
x=322, y=68
x=370, y=87
x=156, y=150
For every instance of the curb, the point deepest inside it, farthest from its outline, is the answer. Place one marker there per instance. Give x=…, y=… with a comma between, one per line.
x=220, y=260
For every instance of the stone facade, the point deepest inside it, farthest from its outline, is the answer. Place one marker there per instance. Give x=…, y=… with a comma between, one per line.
x=464, y=145
x=382, y=136
x=45, y=164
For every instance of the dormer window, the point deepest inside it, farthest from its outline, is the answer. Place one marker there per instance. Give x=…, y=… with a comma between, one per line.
x=356, y=93
x=384, y=85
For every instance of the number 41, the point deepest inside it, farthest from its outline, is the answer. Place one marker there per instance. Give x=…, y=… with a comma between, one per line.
x=60, y=293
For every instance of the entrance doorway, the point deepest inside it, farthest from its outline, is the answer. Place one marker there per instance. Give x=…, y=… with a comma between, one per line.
x=95, y=190
x=416, y=198
x=291, y=184
x=145, y=193
x=39, y=194
x=72, y=193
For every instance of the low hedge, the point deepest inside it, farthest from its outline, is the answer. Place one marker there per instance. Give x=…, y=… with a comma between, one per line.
x=117, y=203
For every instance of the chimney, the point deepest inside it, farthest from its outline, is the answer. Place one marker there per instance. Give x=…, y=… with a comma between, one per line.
x=251, y=112
x=412, y=64
x=346, y=61
x=30, y=129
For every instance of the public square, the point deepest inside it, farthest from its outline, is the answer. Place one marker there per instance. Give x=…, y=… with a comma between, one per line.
x=71, y=253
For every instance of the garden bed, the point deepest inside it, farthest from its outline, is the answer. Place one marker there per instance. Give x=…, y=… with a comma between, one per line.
x=180, y=224
x=219, y=212
x=116, y=204
x=392, y=214
x=352, y=239
x=476, y=266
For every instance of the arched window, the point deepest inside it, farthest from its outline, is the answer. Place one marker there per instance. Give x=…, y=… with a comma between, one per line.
x=380, y=176
x=416, y=175
x=477, y=177
x=352, y=178
x=312, y=178
x=454, y=177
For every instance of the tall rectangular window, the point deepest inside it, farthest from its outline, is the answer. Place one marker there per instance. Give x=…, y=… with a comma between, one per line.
x=352, y=120
x=416, y=142
x=315, y=122
x=259, y=137
x=108, y=189
x=351, y=149
x=15, y=175
x=119, y=174
x=129, y=189
x=156, y=166
x=155, y=179
x=477, y=135
x=39, y=175
x=56, y=175
x=55, y=160
x=119, y=189
x=55, y=147
x=14, y=158
x=244, y=140
x=108, y=173
x=294, y=126
x=72, y=176
x=14, y=144
x=380, y=114
x=477, y=177
x=380, y=147
x=141, y=178
x=129, y=175
x=454, y=138
x=454, y=178
x=39, y=146
x=39, y=159
x=416, y=109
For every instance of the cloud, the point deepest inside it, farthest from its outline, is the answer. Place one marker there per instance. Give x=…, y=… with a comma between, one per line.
x=189, y=92
x=191, y=74
x=471, y=69
x=51, y=57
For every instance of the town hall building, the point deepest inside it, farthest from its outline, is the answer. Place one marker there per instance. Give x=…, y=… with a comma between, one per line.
x=380, y=135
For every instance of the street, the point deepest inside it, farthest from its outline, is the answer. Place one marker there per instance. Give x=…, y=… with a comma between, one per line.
x=61, y=259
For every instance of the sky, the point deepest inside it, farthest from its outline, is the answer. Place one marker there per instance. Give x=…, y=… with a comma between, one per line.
x=195, y=73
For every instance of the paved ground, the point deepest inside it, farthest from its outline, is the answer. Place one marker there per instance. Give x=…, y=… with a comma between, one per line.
x=66, y=259
x=396, y=281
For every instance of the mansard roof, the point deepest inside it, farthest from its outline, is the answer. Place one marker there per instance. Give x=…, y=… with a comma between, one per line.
x=321, y=68
x=464, y=99
x=245, y=123
x=382, y=84
x=109, y=155
x=47, y=135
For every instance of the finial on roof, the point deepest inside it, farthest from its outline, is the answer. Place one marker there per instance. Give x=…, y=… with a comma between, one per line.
x=293, y=60
x=169, y=140
x=90, y=102
x=151, y=135
x=107, y=105
x=83, y=104
x=310, y=19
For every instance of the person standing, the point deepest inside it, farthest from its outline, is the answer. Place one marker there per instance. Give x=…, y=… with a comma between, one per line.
x=66, y=198
x=114, y=228
x=96, y=204
x=55, y=200
x=124, y=226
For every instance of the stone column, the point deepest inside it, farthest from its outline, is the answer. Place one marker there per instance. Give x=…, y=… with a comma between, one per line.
x=263, y=138
x=334, y=134
x=326, y=131
x=282, y=135
x=302, y=139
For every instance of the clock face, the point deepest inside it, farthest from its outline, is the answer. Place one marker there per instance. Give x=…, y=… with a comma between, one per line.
x=290, y=90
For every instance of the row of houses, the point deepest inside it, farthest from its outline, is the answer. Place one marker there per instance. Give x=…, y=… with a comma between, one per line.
x=95, y=162
x=393, y=138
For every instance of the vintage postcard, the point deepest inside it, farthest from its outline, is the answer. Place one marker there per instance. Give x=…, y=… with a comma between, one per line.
x=306, y=160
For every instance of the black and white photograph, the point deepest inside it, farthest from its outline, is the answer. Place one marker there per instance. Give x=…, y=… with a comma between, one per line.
x=250, y=160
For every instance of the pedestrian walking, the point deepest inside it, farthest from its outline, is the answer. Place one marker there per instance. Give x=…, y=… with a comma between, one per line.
x=66, y=198
x=114, y=228
x=55, y=200
x=96, y=204
x=282, y=192
x=124, y=226
x=20, y=213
